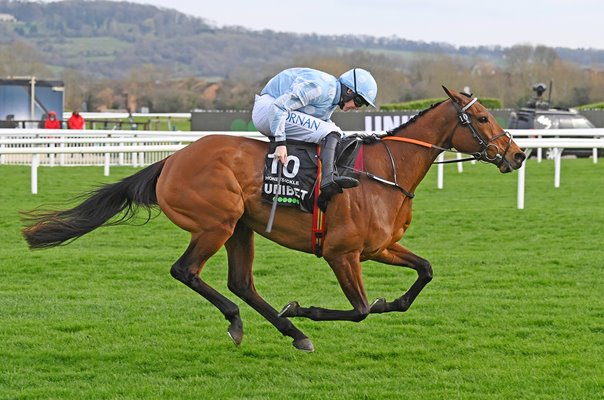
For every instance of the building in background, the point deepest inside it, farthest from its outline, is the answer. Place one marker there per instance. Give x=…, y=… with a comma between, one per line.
x=30, y=99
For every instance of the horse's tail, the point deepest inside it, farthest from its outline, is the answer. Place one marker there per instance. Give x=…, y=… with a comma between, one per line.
x=51, y=228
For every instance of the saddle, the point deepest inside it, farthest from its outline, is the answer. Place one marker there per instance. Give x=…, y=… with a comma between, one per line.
x=299, y=175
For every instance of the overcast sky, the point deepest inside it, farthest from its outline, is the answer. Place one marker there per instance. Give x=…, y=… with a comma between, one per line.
x=564, y=23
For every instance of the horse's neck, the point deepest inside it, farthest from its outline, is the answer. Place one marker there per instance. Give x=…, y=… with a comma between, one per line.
x=413, y=161
x=435, y=127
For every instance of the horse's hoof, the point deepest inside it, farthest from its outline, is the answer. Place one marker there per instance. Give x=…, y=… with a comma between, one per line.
x=235, y=332
x=304, y=345
x=290, y=310
x=378, y=305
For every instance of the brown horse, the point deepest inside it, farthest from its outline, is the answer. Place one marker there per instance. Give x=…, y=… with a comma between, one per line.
x=212, y=189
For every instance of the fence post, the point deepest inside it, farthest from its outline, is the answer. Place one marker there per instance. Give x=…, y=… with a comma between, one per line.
x=52, y=156
x=557, y=163
x=35, y=161
x=62, y=155
x=106, y=166
x=440, y=175
x=134, y=156
x=539, y=152
x=521, y=175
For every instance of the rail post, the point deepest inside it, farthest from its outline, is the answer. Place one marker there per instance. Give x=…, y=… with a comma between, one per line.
x=521, y=175
x=440, y=178
x=35, y=161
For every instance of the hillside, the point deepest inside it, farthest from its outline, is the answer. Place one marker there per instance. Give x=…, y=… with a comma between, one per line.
x=108, y=39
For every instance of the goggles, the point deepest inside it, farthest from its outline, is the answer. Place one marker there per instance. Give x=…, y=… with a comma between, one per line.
x=359, y=101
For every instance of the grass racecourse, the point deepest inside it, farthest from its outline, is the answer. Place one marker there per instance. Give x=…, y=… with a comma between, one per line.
x=515, y=310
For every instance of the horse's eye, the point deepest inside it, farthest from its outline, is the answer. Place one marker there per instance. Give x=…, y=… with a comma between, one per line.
x=483, y=120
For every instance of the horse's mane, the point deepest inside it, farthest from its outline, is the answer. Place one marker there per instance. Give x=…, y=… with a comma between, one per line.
x=412, y=120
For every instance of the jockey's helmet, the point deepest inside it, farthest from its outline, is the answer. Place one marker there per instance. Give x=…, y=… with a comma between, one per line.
x=362, y=83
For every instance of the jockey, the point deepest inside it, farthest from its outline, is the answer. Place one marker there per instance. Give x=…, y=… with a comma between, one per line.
x=297, y=104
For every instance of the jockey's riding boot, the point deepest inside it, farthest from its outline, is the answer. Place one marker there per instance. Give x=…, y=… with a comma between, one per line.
x=331, y=182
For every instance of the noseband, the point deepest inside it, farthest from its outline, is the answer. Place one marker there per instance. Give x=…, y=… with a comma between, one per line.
x=485, y=145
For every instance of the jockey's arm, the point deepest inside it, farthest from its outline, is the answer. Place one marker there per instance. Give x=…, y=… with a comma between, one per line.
x=290, y=101
x=300, y=95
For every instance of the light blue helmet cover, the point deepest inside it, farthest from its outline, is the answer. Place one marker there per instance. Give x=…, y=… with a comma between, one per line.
x=362, y=83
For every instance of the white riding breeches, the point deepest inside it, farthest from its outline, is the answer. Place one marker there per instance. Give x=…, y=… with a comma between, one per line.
x=298, y=125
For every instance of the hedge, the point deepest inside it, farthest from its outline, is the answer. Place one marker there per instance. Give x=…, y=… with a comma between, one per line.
x=592, y=106
x=488, y=102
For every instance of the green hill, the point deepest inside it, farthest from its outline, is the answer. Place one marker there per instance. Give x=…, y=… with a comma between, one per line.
x=108, y=39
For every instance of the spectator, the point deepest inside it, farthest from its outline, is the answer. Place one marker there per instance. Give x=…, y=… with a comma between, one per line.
x=52, y=122
x=76, y=121
x=42, y=123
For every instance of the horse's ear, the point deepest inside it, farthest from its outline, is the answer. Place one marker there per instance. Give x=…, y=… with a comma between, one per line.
x=449, y=94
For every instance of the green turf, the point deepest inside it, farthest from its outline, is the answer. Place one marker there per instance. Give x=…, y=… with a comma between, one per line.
x=515, y=310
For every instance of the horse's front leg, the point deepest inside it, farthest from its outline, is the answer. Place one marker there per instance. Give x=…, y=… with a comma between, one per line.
x=240, y=250
x=347, y=269
x=399, y=255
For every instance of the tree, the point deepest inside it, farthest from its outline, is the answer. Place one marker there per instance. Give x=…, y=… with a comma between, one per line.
x=76, y=88
x=21, y=59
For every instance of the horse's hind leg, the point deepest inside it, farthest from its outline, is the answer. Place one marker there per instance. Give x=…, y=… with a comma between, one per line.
x=347, y=268
x=240, y=250
x=396, y=254
x=187, y=270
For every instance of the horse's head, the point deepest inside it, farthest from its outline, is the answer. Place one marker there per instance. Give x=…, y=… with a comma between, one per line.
x=478, y=133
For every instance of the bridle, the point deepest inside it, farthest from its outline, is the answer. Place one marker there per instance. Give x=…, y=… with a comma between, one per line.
x=464, y=121
x=485, y=145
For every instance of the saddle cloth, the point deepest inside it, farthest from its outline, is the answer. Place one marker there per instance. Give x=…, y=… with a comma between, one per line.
x=299, y=175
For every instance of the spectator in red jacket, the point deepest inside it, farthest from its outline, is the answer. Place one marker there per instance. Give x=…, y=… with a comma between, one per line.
x=52, y=122
x=76, y=121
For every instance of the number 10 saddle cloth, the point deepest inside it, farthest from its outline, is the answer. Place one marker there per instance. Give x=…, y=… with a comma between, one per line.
x=299, y=176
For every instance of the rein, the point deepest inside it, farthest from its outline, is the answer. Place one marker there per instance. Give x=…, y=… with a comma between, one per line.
x=464, y=120
x=383, y=180
x=473, y=157
x=394, y=183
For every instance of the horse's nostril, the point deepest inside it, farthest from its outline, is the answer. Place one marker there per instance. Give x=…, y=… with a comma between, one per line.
x=520, y=157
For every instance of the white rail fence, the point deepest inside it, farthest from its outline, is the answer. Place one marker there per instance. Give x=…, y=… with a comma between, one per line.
x=38, y=147
x=63, y=140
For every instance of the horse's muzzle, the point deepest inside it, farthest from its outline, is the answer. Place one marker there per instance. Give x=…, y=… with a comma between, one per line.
x=514, y=161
